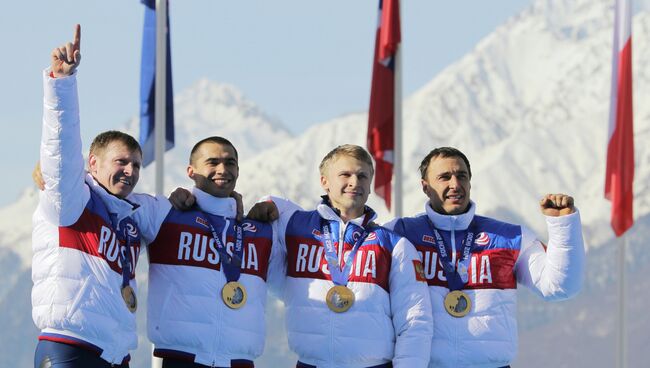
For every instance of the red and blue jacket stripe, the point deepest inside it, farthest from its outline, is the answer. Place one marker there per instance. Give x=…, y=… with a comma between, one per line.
x=497, y=241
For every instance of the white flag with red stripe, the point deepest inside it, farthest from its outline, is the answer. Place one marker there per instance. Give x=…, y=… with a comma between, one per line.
x=620, y=146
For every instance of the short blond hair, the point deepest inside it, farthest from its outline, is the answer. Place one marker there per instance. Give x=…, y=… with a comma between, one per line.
x=350, y=150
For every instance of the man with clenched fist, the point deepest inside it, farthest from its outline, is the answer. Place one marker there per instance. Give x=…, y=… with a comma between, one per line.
x=473, y=264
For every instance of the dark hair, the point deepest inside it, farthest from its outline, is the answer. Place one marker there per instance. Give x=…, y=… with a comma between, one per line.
x=350, y=150
x=214, y=139
x=443, y=152
x=102, y=141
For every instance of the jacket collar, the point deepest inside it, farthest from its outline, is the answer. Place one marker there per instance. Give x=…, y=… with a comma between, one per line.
x=451, y=222
x=120, y=208
x=226, y=207
x=326, y=211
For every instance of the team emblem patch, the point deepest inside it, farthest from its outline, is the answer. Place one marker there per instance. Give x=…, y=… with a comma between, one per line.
x=419, y=270
x=371, y=236
x=131, y=230
x=247, y=226
x=482, y=239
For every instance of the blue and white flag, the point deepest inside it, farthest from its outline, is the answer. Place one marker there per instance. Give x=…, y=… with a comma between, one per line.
x=148, y=86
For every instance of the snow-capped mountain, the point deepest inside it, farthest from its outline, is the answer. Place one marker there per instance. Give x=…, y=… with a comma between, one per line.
x=529, y=106
x=207, y=109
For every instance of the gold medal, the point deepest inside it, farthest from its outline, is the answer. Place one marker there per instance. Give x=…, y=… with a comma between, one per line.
x=339, y=299
x=234, y=294
x=129, y=298
x=457, y=303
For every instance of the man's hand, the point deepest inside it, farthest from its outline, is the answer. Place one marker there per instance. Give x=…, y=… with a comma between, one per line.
x=264, y=212
x=66, y=58
x=182, y=199
x=37, y=176
x=557, y=205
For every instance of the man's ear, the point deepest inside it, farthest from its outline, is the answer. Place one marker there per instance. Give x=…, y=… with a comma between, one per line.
x=425, y=187
x=324, y=184
x=190, y=171
x=92, y=163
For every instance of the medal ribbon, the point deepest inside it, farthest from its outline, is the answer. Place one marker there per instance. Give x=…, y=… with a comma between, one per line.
x=340, y=273
x=231, y=263
x=125, y=252
x=457, y=277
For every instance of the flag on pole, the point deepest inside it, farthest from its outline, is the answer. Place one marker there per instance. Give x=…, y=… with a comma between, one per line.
x=148, y=87
x=381, y=114
x=620, y=148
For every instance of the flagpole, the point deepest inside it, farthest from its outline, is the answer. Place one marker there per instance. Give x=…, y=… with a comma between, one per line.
x=161, y=75
x=622, y=326
x=397, y=187
x=619, y=173
x=160, y=109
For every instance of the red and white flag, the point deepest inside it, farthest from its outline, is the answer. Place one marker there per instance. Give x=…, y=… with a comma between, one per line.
x=381, y=114
x=620, y=147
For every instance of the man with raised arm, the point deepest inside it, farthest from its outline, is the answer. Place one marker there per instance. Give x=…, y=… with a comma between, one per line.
x=88, y=227
x=198, y=314
x=474, y=263
x=353, y=291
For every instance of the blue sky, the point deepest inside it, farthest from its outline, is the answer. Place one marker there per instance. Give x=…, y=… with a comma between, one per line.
x=303, y=62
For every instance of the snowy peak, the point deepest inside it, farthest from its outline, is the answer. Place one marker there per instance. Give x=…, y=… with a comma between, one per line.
x=530, y=106
x=206, y=100
x=207, y=109
x=16, y=225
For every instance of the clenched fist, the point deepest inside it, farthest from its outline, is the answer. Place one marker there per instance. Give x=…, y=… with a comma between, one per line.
x=557, y=205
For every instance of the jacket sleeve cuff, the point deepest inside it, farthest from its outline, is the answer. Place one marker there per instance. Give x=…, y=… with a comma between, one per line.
x=412, y=362
x=57, y=91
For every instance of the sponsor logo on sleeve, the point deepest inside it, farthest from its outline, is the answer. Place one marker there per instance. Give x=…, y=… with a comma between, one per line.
x=202, y=221
x=428, y=239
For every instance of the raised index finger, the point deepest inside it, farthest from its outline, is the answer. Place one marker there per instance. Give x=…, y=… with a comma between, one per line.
x=77, y=37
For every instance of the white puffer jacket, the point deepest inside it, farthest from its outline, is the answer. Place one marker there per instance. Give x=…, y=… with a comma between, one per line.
x=502, y=256
x=186, y=316
x=76, y=268
x=390, y=320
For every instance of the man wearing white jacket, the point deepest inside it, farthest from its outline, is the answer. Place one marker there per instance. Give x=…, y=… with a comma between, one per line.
x=87, y=232
x=474, y=263
x=354, y=293
x=208, y=272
